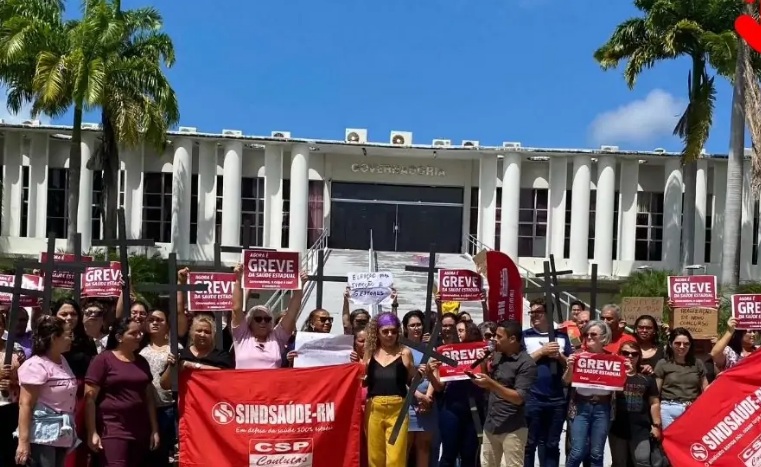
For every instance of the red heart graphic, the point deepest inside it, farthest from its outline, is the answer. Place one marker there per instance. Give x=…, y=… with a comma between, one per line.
x=750, y=30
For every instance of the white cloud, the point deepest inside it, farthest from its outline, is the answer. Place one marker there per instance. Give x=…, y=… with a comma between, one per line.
x=24, y=114
x=640, y=121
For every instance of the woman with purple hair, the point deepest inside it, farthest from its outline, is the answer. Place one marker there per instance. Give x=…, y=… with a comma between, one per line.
x=390, y=367
x=257, y=341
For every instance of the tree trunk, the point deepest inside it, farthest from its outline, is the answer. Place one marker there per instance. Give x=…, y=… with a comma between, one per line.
x=73, y=174
x=730, y=255
x=110, y=178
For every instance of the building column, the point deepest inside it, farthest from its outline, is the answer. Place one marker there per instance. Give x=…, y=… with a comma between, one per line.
x=511, y=200
x=556, y=221
x=487, y=200
x=717, y=213
x=133, y=191
x=582, y=180
x=182, y=178
x=299, y=201
x=273, y=196
x=232, y=167
x=672, y=215
x=605, y=201
x=746, y=231
x=207, y=192
x=12, y=184
x=37, y=152
x=627, y=212
x=701, y=200
x=84, y=210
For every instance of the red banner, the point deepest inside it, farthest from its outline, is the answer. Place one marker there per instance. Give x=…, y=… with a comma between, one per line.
x=465, y=354
x=102, y=282
x=692, y=291
x=505, y=296
x=28, y=281
x=218, y=296
x=269, y=269
x=63, y=279
x=599, y=371
x=722, y=428
x=285, y=417
x=746, y=309
x=459, y=285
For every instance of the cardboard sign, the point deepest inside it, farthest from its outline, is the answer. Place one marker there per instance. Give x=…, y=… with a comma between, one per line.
x=271, y=270
x=28, y=281
x=746, y=309
x=459, y=285
x=634, y=307
x=219, y=295
x=63, y=279
x=692, y=291
x=703, y=323
x=102, y=282
x=465, y=354
x=599, y=371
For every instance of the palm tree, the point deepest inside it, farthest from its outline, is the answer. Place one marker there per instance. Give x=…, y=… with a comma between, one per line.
x=139, y=105
x=671, y=29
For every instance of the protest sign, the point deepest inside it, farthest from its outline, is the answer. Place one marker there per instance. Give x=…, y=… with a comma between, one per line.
x=505, y=294
x=746, y=309
x=218, y=296
x=269, y=269
x=465, y=354
x=634, y=307
x=692, y=291
x=29, y=282
x=703, y=323
x=370, y=288
x=321, y=349
x=599, y=371
x=102, y=282
x=64, y=279
x=459, y=285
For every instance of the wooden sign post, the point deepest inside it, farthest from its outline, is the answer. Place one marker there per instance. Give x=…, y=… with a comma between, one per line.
x=431, y=270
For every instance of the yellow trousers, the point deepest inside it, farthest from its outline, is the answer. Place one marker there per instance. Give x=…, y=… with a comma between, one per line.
x=381, y=413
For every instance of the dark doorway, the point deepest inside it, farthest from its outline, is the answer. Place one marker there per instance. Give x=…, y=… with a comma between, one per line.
x=396, y=224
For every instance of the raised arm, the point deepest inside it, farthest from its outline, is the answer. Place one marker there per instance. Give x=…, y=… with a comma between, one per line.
x=717, y=352
x=182, y=317
x=288, y=321
x=346, y=313
x=238, y=298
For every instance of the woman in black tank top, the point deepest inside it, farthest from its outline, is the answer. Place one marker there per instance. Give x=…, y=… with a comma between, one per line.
x=390, y=368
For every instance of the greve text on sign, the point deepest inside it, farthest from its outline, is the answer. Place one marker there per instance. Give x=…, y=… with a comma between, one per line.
x=746, y=309
x=219, y=293
x=268, y=269
x=686, y=291
x=459, y=285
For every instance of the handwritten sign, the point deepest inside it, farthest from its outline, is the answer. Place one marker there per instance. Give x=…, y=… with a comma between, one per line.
x=218, y=296
x=599, y=371
x=459, y=285
x=703, y=323
x=746, y=309
x=691, y=291
x=370, y=288
x=102, y=282
x=634, y=307
x=271, y=270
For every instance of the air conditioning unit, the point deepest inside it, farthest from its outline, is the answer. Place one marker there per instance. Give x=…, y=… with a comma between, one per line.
x=355, y=135
x=232, y=133
x=469, y=143
x=281, y=134
x=748, y=152
x=401, y=138
x=442, y=143
x=659, y=151
x=90, y=126
x=188, y=129
x=609, y=148
x=511, y=145
x=31, y=122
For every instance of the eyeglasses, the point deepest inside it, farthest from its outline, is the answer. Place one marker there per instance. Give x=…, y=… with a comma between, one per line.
x=629, y=354
x=389, y=332
x=325, y=319
x=681, y=344
x=94, y=313
x=266, y=319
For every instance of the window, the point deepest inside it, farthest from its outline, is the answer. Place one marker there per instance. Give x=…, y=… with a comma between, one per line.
x=474, y=215
x=122, y=187
x=532, y=222
x=616, y=205
x=649, y=233
x=97, y=205
x=252, y=209
x=591, y=236
x=58, y=203
x=157, y=207
x=709, y=227
x=194, y=209
x=25, y=174
x=218, y=220
x=316, y=206
x=286, y=212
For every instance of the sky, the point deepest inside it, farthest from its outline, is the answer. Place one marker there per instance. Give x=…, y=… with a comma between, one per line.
x=493, y=71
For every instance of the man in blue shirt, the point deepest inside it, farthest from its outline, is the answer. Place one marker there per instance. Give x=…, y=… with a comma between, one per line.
x=546, y=406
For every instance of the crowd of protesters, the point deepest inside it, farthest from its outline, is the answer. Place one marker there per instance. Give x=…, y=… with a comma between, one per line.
x=91, y=385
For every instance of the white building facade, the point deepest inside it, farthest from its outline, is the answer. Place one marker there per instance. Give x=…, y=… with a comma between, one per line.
x=618, y=209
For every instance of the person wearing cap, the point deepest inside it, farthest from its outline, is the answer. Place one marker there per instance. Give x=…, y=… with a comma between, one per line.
x=258, y=343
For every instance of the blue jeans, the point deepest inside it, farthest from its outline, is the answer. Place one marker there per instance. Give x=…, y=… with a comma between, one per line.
x=670, y=411
x=458, y=436
x=589, y=431
x=545, y=421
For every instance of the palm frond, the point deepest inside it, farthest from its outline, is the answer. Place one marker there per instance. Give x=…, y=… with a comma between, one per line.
x=695, y=124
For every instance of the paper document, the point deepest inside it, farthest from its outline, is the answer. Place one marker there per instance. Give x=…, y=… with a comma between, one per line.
x=321, y=349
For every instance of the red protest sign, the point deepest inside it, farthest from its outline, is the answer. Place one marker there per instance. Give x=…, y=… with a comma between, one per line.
x=63, y=279
x=692, y=291
x=230, y=418
x=269, y=269
x=599, y=371
x=218, y=296
x=746, y=309
x=102, y=282
x=459, y=285
x=722, y=428
x=464, y=354
x=505, y=296
x=28, y=281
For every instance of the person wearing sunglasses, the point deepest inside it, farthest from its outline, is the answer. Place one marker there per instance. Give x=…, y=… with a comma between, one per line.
x=94, y=325
x=319, y=321
x=638, y=413
x=257, y=342
x=680, y=376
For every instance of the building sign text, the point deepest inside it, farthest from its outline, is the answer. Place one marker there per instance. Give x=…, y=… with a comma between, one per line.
x=426, y=171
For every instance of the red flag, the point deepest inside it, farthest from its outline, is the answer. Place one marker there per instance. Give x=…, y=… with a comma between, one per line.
x=284, y=417
x=721, y=429
x=505, y=298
